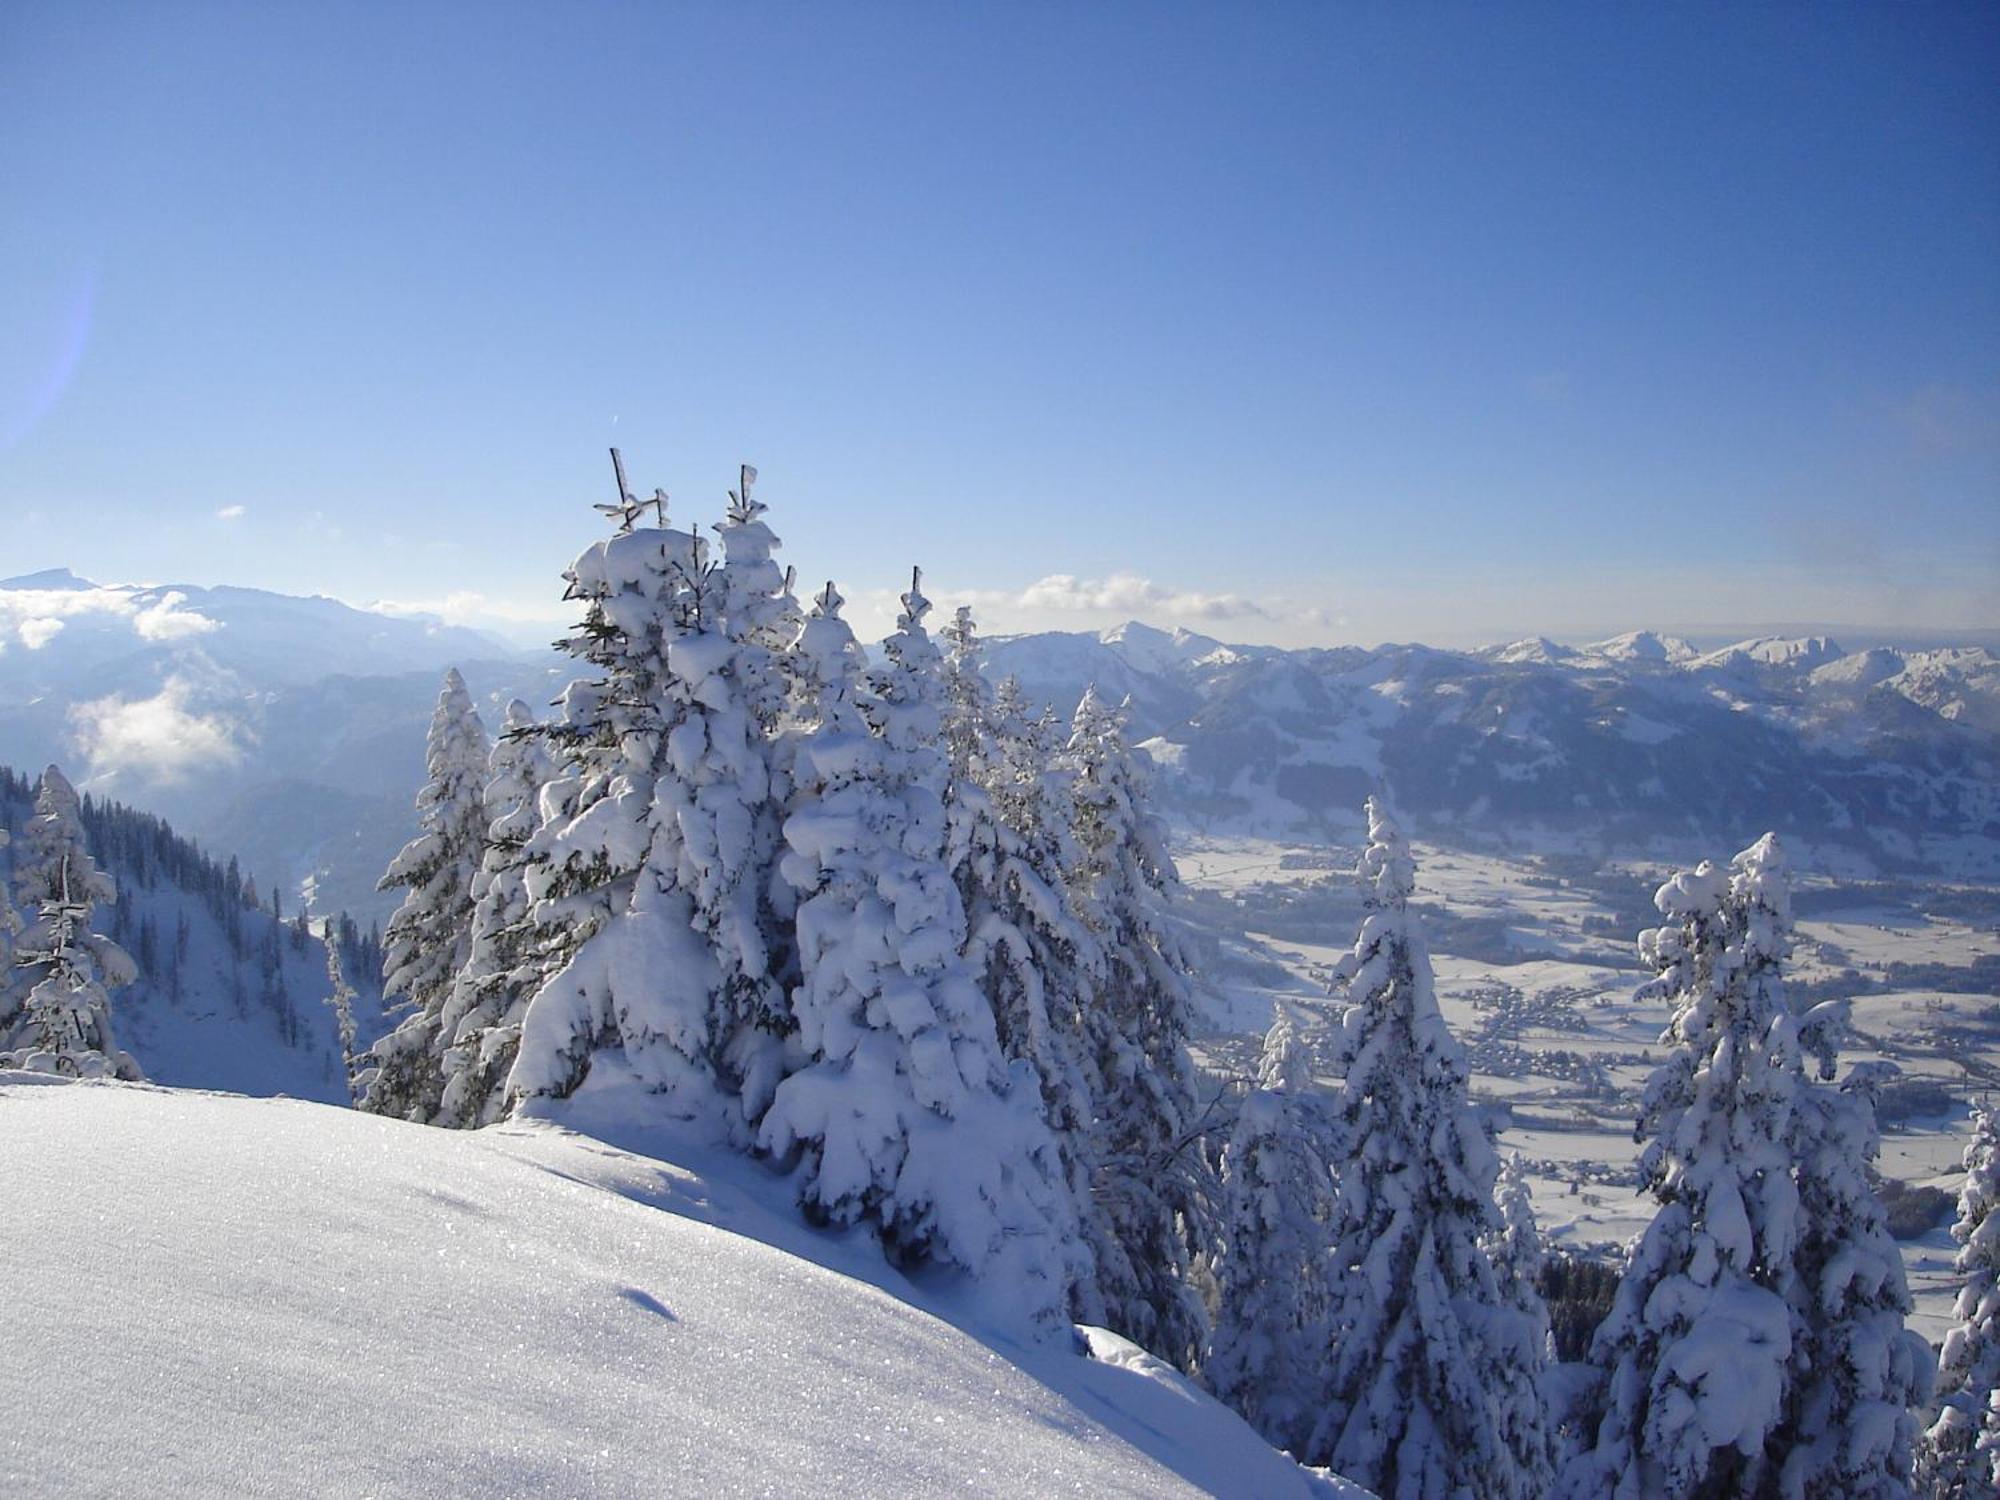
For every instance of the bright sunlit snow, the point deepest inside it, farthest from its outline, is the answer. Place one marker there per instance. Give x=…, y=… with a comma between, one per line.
x=268, y=1297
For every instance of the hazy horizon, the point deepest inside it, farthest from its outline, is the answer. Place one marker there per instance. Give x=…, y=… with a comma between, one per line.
x=872, y=612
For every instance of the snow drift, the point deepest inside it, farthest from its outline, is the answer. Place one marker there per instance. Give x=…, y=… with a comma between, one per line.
x=267, y=1297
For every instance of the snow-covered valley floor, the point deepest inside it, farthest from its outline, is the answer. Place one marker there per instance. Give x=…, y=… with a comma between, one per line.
x=249, y=1297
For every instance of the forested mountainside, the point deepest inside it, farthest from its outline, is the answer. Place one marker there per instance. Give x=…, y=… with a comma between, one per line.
x=232, y=986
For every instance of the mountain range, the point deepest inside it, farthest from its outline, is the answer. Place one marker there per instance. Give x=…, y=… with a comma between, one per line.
x=1886, y=758
x=289, y=731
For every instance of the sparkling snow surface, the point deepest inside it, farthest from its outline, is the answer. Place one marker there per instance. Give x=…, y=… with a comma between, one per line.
x=226, y=1296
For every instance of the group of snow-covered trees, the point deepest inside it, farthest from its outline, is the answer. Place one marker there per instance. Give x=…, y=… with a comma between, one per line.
x=1375, y=1298
x=56, y=975
x=1960, y=1455
x=873, y=920
x=1377, y=1303
x=880, y=922
x=1756, y=1345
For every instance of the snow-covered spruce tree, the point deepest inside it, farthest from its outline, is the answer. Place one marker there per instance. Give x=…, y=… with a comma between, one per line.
x=757, y=605
x=1265, y=1355
x=903, y=1111
x=340, y=1000
x=1012, y=854
x=479, y=1028
x=732, y=803
x=428, y=937
x=1959, y=1458
x=1432, y=1387
x=55, y=1003
x=656, y=850
x=1517, y=1249
x=1147, y=1187
x=1697, y=1352
x=1518, y=1252
x=1850, y=1431
x=631, y=984
x=10, y=931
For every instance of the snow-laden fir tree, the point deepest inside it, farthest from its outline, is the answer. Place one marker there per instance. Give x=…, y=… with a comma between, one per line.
x=1148, y=1183
x=1012, y=855
x=1697, y=1354
x=757, y=605
x=968, y=703
x=657, y=847
x=479, y=1028
x=632, y=985
x=1518, y=1252
x=55, y=1002
x=1960, y=1454
x=10, y=928
x=1269, y=1340
x=1432, y=1388
x=1517, y=1249
x=340, y=1000
x=904, y=1111
x=427, y=939
x=1850, y=1431
x=728, y=798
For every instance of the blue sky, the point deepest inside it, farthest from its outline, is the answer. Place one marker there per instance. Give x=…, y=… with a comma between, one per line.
x=1290, y=322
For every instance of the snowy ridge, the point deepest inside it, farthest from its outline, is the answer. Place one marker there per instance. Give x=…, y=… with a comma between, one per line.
x=614, y=1325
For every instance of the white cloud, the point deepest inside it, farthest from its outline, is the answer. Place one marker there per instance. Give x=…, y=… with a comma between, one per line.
x=231, y=513
x=165, y=620
x=162, y=737
x=35, y=616
x=1129, y=594
x=1065, y=601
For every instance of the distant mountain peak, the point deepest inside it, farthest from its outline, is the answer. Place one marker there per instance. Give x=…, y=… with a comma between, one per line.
x=1642, y=645
x=1778, y=651
x=48, y=578
x=1152, y=649
x=1135, y=632
x=1536, y=648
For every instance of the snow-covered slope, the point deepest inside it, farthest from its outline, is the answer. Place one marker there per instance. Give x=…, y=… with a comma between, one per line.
x=266, y=1297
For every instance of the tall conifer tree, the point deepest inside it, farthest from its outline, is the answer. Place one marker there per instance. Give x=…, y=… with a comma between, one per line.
x=430, y=934
x=1960, y=1455
x=1433, y=1381
x=1148, y=1185
x=55, y=1002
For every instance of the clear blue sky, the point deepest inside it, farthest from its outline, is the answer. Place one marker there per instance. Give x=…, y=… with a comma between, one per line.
x=1439, y=321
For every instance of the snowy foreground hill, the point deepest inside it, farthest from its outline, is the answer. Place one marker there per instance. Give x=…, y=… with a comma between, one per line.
x=270, y=1297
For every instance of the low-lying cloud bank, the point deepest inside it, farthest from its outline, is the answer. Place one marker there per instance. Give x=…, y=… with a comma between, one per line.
x=164, y=738
x=31, y=618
